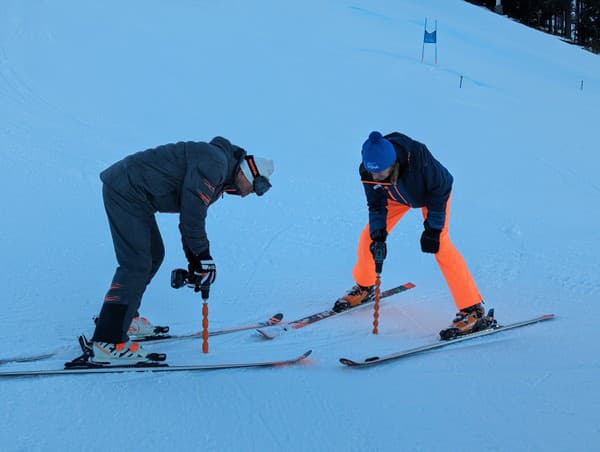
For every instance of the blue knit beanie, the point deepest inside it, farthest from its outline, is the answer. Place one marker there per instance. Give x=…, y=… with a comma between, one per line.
x=378, y=153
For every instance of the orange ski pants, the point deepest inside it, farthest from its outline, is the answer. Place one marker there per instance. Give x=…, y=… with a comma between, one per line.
x=451, y=263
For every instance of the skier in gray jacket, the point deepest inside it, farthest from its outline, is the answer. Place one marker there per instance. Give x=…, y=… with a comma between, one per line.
x=184, y=178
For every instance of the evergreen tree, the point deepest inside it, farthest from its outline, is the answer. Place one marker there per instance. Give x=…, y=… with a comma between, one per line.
x=577, y=21
x=587, y=16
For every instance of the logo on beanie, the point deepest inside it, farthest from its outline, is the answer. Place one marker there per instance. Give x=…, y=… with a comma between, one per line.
x=373, y=167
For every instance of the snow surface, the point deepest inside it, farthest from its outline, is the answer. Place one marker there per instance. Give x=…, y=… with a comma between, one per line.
x=82, y=84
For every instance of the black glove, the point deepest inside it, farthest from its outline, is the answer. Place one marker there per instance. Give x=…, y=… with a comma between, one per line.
x=430, y=239
x=378, y=248
x=203, y=266
x=206, y=270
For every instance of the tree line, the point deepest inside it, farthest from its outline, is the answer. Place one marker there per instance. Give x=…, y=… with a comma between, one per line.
x=576, y=21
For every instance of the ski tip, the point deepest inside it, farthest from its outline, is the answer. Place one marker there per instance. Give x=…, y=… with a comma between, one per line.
x=306, y=354
x=348, y=362
x=409, y=285
x=290, y=362
x=275, y=319
x=547, y=316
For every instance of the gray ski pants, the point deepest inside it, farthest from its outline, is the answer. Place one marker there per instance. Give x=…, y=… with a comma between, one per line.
x=140, y=251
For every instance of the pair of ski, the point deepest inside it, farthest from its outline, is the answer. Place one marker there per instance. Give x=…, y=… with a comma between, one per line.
x=273, y=331
x=159, y=337
x=83, y=365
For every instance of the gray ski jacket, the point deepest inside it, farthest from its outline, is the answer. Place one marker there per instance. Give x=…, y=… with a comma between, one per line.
x=184, y=177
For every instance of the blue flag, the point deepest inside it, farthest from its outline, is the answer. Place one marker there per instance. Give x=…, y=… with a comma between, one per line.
x=430, y=38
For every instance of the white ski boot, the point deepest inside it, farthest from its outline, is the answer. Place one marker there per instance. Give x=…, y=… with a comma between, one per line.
x=141, y=328
x=124, y=353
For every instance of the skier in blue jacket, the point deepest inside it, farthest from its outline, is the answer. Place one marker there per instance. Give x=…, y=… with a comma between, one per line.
x=398, y=174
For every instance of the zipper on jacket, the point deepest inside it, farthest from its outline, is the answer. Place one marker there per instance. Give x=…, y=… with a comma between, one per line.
x=391, y=195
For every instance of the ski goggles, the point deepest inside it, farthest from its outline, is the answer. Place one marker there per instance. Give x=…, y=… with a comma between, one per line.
x=260, y=184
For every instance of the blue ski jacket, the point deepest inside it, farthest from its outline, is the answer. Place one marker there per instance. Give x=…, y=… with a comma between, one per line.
x=420, y=181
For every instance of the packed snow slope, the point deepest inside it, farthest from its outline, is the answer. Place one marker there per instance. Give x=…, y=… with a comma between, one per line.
x=83, y=84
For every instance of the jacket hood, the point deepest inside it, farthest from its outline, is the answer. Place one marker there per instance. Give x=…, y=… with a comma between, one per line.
x=234, y=155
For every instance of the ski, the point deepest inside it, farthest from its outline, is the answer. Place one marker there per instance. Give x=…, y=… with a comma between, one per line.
x=439, y=344
x=274, y=320
x=28, y=359
x=152, y=367
x=271, y=332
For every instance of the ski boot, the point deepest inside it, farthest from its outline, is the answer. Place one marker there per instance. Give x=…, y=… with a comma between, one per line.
x=102, y=354
x=129, y=352
x=355, y=296
x=469, y=320
x=141, y=328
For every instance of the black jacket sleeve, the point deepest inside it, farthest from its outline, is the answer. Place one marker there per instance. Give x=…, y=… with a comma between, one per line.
x=202, y=185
